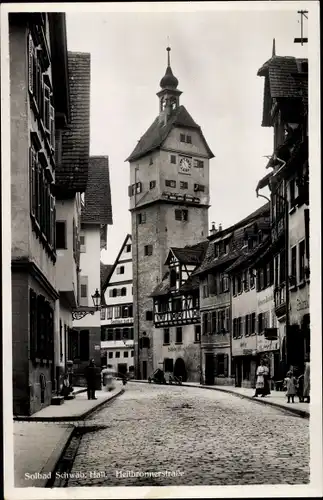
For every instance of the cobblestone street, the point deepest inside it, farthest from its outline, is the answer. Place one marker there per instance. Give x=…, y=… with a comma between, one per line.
x=198, y=436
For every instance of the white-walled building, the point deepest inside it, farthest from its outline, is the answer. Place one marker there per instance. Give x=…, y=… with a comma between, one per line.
x=96, y=215
x=117, y=344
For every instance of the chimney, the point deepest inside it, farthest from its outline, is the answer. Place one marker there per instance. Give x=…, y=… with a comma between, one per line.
x=220, y=227
x=213, y=229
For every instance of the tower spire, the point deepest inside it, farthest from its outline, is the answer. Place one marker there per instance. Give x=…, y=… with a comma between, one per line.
x=168, y=55
x=274, y=47
x=169, y=80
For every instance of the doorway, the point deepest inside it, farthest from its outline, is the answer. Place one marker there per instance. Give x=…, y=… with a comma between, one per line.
x=209, y=369
x=122, y=368
x=180, y=370
x=144, y=370
x=238, y=372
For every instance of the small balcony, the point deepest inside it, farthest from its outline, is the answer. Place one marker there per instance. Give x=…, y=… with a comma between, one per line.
x=280, y=299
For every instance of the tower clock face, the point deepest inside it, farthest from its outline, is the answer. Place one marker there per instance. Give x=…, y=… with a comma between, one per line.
x=185, y=165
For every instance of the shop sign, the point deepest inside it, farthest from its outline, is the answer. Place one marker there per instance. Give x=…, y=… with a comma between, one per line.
x=301, y=304
x=97, y=347
x=268, y=298
x=174, y=348
x=268, y=345
x=120, y=321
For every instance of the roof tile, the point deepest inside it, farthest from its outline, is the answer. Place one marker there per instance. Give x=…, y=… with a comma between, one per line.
x=72, y=170
x=97, y=206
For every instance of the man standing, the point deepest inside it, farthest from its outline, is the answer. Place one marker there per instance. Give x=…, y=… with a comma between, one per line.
x=90, y=375
x=307, y=385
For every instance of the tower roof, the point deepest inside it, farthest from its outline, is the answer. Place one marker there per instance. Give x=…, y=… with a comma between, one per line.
x=169, y=81
x=157, y=133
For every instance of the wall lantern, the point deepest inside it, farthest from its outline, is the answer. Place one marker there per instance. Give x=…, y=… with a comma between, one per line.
x=82, y=312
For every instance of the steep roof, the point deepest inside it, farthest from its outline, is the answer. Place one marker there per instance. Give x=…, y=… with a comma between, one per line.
x=282, y=82
x=111, y=270
x=157, y=133
x=97, y=208
x=71, y=172
x=190, y=254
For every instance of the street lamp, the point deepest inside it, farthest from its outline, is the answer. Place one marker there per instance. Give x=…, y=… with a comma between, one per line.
x=81, y=313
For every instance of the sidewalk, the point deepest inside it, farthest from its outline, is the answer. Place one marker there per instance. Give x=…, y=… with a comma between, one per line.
x=276, y=398
x=73, y=409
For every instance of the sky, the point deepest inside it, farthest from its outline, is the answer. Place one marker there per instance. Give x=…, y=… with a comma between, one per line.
x=215, y=56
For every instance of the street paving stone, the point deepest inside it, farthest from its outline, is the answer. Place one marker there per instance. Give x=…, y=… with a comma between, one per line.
x=200, y=437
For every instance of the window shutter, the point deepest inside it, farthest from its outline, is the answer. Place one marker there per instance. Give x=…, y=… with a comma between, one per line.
x=32, y=170
x=216, y=364
x=130, y=191
x=307, y=232
x=33, y=323
x=226, y=365
x=227, y=319
x=52, y=126
x=31, y=75
x=204, y=324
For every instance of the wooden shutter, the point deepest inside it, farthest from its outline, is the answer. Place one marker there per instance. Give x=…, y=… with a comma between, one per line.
x=32, y=182
x=226, y=365
x=227, y=319
x=204, y=323
x=130, y=191
x=52, y=221
x=31, y=75
x=52, y=126
x=32, y=323
x=213, y=322
x=307, y=232
x=216, y=364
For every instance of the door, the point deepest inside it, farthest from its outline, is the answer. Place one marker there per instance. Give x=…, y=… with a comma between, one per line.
x=144, y=370
x=180, y=370
x=122, y=368
x=238, y=365
x=209, y=369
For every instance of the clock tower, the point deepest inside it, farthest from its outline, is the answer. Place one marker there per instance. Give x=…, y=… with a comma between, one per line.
x=169, y=201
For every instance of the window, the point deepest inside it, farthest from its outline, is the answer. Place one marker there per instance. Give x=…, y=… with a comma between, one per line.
x=301, y=262
x=173, y=278
x=138, y=187
x=149, y=315
x=252, y=278
x=197, y=333
x=82, y=243
x=141, y=218
x=151, y=161
x=113, y=292
x=179, y=338
x=84, y=290
x=110, y=334
x=291, y=193
x=173, y=158
x=123, y=291
x=110, y=355
x=239, y=326
x=189, y=139
x=117, y=354
x=148, y=250
x=120, y=270
x=260, y=323
x=198, y=163
x=128, y=248
x=125, y=354
x=239, y=284
x=117, y=312
x=131, y=354
x=214, y=324
x=181, y=215
x=212, y=284
x=125, y=333
x=182, y=138
x=118, y=333
x=293, y=266
x=183, y=185
x=169, y=183
x=102, y=315
x=168, y=365
x=126, y=311
x=152, y=184
x=166, y=335
x=253, y=323
x=199, y=187
x=247, y=325
x=224, y=283
x=61, y=235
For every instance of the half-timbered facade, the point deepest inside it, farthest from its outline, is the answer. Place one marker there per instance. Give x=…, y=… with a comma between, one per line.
x=177, y=316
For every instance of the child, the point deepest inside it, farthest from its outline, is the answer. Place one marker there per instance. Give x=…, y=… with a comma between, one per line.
x=290, y=384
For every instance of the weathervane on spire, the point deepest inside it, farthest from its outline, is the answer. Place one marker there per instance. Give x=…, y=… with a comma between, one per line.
x=168, y=51
x=302, y=39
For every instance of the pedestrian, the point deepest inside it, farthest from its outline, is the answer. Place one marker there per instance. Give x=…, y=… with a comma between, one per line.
x=300, y=388
x=262, y=370
x=90, y=375
x=307, y=385
x=266, y=381
x=66, y=388
x=290, y=384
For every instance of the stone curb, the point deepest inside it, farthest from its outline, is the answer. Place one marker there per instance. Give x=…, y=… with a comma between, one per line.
x=73, y=418
x=295, y=411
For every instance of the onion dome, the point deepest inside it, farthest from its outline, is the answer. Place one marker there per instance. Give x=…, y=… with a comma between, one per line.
x=169, y=81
